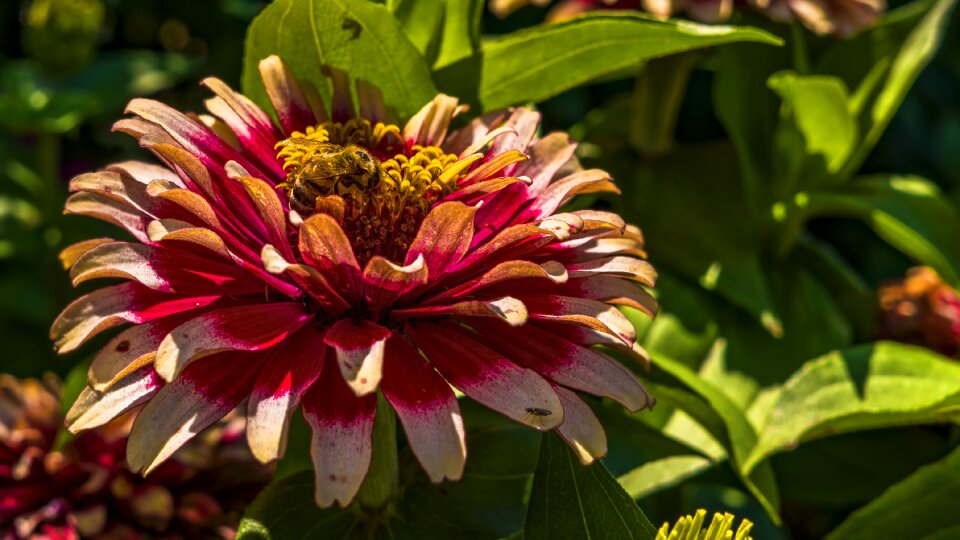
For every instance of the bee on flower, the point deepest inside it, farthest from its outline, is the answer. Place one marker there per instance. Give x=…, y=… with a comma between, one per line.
x=334, y=256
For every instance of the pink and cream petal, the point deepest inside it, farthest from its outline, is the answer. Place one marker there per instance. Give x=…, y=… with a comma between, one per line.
x=110, y=306
x=384, y=282
x=70, y=254
x=487, y=376
x=307, y=277
x=506, y=274
x=342, y=426
x=429, y=126
x=547, y=156
x=428, y=410
x=566, y=363
x=581, y=311
x=619, y=265
x=130, y=350
x=243, y=328
x=287, y=97
x=581, y=429
x=444, y=238
x=289, y=370
x=204, y=393
x=325, y=246
x=507, y=309
x=94, y=408
x=115, y=212
x=359, y=347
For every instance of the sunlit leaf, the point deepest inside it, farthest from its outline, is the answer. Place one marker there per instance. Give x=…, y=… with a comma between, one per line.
x=539, y=62
x=869, y=386
x=362, y=38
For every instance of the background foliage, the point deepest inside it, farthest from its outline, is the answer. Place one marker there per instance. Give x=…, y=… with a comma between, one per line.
x=779, y=178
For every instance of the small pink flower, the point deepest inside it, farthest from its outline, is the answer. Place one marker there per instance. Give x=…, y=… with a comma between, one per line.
x=447, y=264
x=921, y=310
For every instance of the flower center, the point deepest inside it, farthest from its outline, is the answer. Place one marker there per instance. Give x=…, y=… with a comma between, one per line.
x=385, y=199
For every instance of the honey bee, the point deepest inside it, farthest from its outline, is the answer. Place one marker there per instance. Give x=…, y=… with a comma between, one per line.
x=322, y=169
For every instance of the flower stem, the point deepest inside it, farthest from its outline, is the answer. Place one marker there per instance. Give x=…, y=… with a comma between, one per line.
x=382, y=481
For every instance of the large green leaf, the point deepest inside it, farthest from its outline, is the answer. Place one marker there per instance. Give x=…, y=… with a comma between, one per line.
x=908, y=212
x=881, y=64
x=869, y=386
x=816, y=133
x=922, y=507
x=444, y=30
x=362, y=38
x=543, y=61
x=723, y=418
x=572, y=501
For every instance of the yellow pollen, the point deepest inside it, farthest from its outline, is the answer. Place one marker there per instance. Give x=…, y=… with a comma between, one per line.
x=385, y=201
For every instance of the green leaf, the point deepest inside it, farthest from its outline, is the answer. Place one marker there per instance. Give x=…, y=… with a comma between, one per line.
x=443, y=30
x=539, y=62
x=881, y=64
x=850, y=469
x=816, y=133
x=422, y=22
x=359, y=37
x=644, y=459
x=678, y=385
x=747, y=108
x=570, y=500
x=286, y=509
x=691, y=207
x=724, y=420
x=869, y=386
x=909, y=213
x=922, y=507
x=491, y=499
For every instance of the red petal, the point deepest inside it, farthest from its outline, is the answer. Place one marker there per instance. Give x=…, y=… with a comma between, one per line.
x=384, y=282
x=359, y=351
x=568, y=364
x=289, y=370
x=444, y=238
x=325, y=247
x=203, y=394
x=243, y=328
x=286, y=95
x=487, y=376
x=427, y=408
x=107, y=307
x=342, y=426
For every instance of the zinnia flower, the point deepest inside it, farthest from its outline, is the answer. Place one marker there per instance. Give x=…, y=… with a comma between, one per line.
x=835, y=17
x=920, y=310
x=85, y=490
x=448, y=263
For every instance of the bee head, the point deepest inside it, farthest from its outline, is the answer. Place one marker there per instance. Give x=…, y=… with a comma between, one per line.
x=368, y=165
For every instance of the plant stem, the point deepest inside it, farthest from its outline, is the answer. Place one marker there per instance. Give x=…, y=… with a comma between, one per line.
x=382, y=481
x=657, y=97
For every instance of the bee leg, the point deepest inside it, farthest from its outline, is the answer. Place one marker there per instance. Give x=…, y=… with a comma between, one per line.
x=303, y=199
